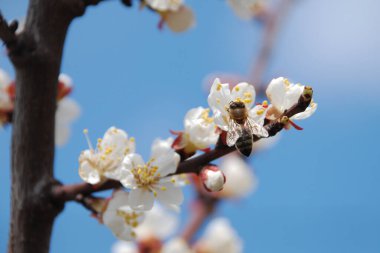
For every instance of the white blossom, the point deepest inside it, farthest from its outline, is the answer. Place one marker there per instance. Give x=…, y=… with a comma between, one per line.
x=241, y=180
x=219, y=101
x=213, y=179
x=153, y=226
x=6, y=103
x=220, y=237
x=150, y=180
x=200, y=131
x=245, y=9
x=164, y=5
x=104, y=162
x=283, y=95
x=67, y=111
x=176, y=245
x=120, y=218
x=124, y=247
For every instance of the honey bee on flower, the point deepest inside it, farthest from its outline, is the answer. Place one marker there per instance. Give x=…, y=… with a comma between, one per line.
x=233, y=113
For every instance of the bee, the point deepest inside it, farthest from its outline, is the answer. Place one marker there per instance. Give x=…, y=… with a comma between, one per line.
x=241, y=128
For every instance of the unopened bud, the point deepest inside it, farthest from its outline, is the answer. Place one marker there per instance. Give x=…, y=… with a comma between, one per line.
x=308, y=92
x=213, y=179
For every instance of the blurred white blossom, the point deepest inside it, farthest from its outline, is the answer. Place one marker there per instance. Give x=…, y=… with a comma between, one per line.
x=241, y=180
x=220, y=237
x=176, y=245
x=6, y=102
x=103, y=162
x=159, y=223
x=150, y=180
x=120, y=218
x=245, y=9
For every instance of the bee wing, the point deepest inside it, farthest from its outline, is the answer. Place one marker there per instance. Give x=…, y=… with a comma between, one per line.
x=256, y=129
x=234, y=132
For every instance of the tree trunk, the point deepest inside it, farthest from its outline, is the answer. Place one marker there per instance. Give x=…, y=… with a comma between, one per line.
x=37, y=64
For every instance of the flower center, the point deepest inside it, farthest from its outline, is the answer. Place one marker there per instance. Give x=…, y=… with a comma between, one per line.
x=205, y=116
x=130, y=218
x=146, y=175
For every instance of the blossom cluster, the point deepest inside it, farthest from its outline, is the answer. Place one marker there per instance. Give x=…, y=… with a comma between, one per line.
x=67, y=109
x=233, y=119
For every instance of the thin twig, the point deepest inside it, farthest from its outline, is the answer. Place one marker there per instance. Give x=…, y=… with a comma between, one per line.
x=7, y=32
x=272, y=19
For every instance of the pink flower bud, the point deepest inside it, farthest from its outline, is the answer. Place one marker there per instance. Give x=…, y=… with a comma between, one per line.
x=212, y=178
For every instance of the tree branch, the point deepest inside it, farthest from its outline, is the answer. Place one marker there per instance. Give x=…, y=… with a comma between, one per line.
x=7, y=32
x=272, y=20
x=62, y=193
x=71, y=192
x=194, y=165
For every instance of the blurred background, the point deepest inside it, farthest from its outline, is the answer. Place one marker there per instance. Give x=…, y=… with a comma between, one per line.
x=319, y=188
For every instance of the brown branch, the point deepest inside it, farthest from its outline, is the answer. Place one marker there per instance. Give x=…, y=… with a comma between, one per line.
x=272, y=20
x=62, y=193
x=8, y=32
x=194, y=165
x=71, y=192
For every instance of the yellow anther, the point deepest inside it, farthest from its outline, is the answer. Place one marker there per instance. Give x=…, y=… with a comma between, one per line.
x=261, y=111
x=135, y=224
x=219, y=87
x=237, y=88
x=238, y=100
x=132, y=139
x=172, y=180
x=155, y=194
x=248, y=94
x=286, y=81
x=163, y=188
x=108, y=151
x=139, y=171
x=265, y=103
x=247, y=101
x=85, y=131
x=218, y=100
x=103, y=157
x=133, y=234
x=99, y=140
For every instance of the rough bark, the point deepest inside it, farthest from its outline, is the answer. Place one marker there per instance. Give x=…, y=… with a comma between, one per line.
x=37, y=60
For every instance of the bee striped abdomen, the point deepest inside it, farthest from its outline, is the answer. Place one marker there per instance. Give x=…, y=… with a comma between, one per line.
x=244, y=143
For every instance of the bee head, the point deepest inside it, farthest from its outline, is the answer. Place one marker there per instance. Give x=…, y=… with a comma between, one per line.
x=237, y=105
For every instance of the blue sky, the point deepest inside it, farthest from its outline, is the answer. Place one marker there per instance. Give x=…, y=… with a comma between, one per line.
x=319, y=189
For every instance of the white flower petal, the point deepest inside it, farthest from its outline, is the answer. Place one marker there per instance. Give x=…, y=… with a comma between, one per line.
x=176, y=245
x=141, y=199
x=164, y=5
x=67, y=111
x=220, y=97
x=169, y=195
x=307, y=113
x=241, y=181
x=124, y=247
x=293, y=93
x=244, y=92
x=152, y=225
x=88, y=173
x=161, y=147
x=167, y=163
x=244, y=9
x=276, y=92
